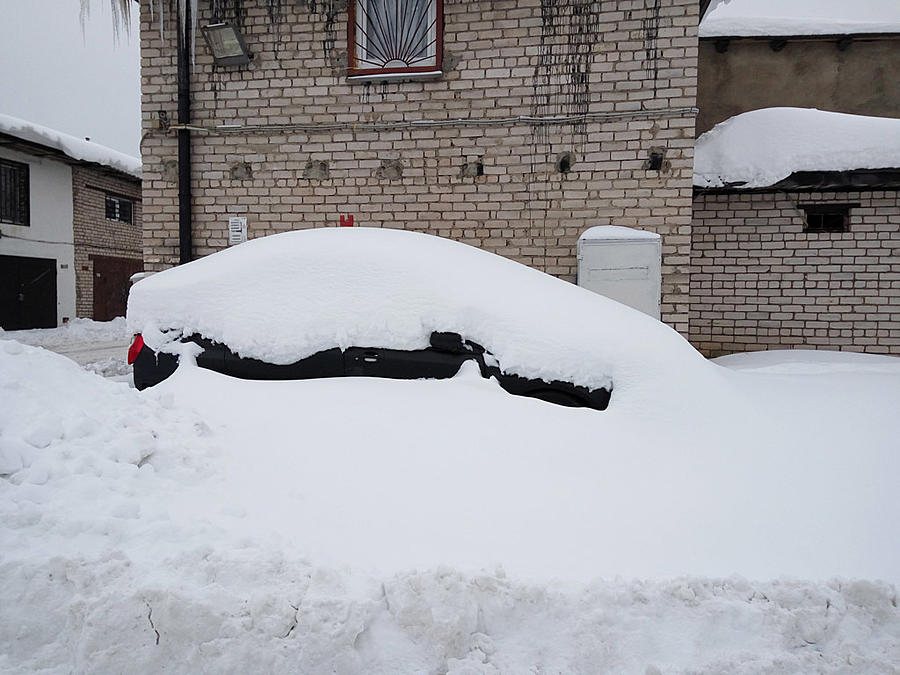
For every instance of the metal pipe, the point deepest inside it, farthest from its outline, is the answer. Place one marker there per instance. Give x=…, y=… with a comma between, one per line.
x=185, y=237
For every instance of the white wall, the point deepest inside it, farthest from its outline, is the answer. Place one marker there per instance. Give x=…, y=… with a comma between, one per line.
x=50, y=233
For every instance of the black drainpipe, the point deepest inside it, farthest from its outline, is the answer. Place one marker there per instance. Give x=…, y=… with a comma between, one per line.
x=185, y=242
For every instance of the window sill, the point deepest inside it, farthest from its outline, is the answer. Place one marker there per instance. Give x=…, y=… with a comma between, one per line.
x=395, y=77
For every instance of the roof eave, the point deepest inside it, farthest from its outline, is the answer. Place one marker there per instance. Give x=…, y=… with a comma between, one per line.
x=820, y=181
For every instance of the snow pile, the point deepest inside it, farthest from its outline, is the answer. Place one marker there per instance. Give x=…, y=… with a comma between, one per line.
x=98, y=346
x=80, y=332
x=76, y=148
x=284, y=297
x=378, y=526
x=761, y=147
x=800, y=17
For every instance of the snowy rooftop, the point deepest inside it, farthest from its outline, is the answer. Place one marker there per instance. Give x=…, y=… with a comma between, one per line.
x=800, y=17
x=76, y=148
x=762, y=147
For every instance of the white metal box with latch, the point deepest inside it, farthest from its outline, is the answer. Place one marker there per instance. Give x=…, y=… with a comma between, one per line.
x=623, y=264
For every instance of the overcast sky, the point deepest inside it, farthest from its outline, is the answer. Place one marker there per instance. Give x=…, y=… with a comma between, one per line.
x=83, y=83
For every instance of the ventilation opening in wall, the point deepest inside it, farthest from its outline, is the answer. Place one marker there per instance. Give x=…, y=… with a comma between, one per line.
x=564, y=162
x=827, y=217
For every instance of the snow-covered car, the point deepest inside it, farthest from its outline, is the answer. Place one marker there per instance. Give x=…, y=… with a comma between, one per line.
x=441, y=359
x=372, y=303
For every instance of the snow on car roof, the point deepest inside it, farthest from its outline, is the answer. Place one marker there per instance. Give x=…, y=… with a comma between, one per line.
x=76, y=148
x=761, y=147
x=800, y=17
x=284, y=297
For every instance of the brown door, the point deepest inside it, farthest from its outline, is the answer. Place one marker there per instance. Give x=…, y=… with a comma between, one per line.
x=111, y=284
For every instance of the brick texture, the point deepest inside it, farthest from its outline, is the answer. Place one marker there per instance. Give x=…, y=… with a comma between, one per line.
x=315, y=145
x=761, y=282
x=95, y=234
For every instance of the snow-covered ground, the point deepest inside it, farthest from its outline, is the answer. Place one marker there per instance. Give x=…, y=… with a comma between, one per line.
x=712, y=520
x=383, y=526
x=98, y=346
x=810, y=362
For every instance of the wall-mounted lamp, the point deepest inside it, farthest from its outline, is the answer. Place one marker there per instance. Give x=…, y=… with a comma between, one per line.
x=226, y=44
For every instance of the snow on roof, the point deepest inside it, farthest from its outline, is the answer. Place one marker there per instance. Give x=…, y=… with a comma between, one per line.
x=616, y=232
x=761, y=147
x=800, y=17
x=76, y=148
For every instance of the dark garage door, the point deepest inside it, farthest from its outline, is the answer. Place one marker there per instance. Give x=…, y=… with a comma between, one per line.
x=27, y=292
x=111, y=282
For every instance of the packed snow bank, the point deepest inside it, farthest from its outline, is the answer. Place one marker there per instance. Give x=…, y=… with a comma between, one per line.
x=277, y=526
x=76, y=148
x=284, y=297
x=761, y=147
x=800, y=17
x=810, y=362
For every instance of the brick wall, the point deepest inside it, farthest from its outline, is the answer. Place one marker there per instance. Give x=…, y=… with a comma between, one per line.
x=94, y=233
x=315, y=146
x=760, y=282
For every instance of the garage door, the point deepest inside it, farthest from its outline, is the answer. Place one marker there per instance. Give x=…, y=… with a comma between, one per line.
x=27, y=292
x=111, y=282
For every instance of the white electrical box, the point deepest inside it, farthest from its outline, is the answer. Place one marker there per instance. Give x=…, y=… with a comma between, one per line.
x=623, y=264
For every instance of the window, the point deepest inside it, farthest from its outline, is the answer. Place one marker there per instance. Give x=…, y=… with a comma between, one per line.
x=394, y=37
x=119, y=208
x=827, y=217
x=14, y=193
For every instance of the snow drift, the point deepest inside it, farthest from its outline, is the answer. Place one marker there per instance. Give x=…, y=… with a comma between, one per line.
x=138, y=536
x=761, y=147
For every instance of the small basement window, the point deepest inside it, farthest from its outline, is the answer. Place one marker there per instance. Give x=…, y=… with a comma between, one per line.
x=14, y=193
x=394, y=38
x=827, y=217
x=119, y=208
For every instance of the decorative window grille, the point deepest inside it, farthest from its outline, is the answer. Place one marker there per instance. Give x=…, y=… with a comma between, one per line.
x=14, y=193
x=119, y=208
x=827, y=217
x=394, y=37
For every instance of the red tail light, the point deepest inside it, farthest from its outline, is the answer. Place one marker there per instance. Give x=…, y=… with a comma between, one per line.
x=135, y=348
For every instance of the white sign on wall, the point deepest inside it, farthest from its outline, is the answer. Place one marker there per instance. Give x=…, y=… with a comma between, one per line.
x=237, y=230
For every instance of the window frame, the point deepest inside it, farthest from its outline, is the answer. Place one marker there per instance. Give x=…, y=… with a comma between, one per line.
x=24, y=186
x=119, y=199
x=820, y=210
x=354, y=71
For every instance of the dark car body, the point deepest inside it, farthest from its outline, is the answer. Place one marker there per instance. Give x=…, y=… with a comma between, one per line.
x=442, y=359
